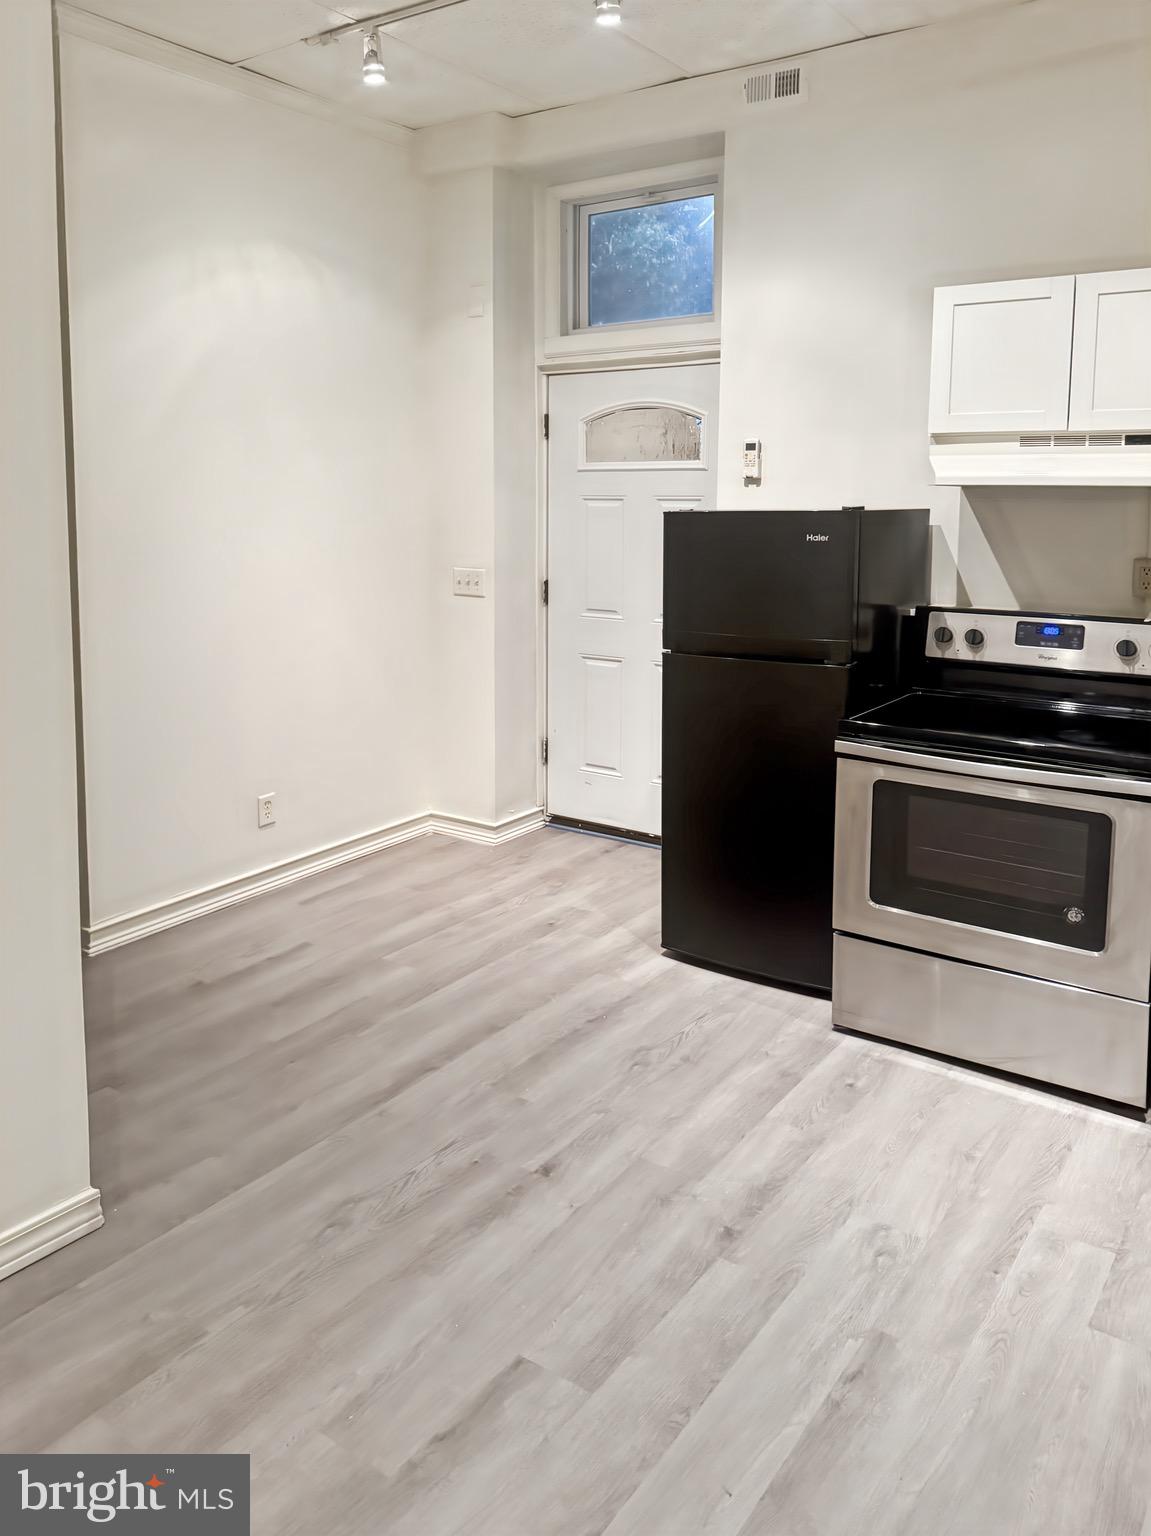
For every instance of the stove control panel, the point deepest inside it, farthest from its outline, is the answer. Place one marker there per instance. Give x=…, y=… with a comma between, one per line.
x=1046, y=642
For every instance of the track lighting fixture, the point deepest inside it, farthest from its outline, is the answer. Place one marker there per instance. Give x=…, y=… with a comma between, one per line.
x=609, y=13
x=374, y=71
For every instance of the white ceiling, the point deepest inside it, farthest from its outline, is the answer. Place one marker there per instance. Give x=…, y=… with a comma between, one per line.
x=515, y=56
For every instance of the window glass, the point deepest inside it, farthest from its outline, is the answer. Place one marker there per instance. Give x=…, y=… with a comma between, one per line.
x=644, y=434
x=655, y=261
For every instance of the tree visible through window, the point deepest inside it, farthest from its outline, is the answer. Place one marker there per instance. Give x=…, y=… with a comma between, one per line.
x=649, y=261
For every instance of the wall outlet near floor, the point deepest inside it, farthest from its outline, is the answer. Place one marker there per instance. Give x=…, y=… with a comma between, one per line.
x=468, y=581
x=1141, y=576
x=265, y=810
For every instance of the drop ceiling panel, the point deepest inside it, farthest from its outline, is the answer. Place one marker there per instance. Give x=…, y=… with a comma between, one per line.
x=549, y=50
x=702, y=35
x=876, y=16
x=516, y=56
x=421, y=90
x=225, y=29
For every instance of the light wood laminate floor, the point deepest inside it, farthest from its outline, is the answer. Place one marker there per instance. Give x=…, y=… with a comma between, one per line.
x=433, y=1184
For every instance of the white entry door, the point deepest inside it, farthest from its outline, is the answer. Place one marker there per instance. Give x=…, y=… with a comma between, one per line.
x=624, y=448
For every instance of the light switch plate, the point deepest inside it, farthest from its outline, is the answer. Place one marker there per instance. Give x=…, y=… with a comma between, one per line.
x=468, y=580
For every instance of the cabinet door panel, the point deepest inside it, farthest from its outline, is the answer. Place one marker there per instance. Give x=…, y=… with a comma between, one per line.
x=1111, y=362
x=1001, y=356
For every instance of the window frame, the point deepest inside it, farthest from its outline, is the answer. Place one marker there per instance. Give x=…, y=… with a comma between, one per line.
x=558, y=347
x=578, y=215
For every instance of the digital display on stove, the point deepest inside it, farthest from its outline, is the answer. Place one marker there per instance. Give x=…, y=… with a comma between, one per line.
x=1063, y=637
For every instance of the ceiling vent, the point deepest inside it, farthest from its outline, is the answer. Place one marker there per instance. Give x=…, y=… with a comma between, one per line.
x=776, y=86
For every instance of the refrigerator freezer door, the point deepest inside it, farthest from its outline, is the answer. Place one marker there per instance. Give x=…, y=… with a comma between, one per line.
x=776, y=584
x=749, y=813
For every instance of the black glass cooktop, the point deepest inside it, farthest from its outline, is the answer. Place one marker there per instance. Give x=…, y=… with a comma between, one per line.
x=1041, y=732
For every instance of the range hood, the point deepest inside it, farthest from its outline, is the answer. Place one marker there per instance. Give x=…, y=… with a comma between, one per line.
x=1042, y=458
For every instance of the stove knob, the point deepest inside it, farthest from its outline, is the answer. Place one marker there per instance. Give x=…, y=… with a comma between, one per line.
x=1126, y=649
x=975, y=637
x=943, y=636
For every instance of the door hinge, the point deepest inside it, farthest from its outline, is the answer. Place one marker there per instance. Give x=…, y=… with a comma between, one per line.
x=547, y=425
x=544, y=593
x=544, y=751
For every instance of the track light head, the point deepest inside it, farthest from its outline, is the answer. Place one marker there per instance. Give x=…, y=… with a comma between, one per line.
x=374, y=71
x=608, y=13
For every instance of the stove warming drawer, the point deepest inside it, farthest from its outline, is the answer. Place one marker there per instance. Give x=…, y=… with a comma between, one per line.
x=1088, y=1041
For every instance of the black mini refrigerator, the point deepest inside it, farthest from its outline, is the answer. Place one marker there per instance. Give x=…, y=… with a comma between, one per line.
x=776, y=625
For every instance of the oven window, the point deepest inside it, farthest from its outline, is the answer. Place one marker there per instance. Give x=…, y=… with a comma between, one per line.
x=1038, y=871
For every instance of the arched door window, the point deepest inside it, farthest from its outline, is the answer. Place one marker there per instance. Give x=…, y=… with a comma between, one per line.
x=643, y=433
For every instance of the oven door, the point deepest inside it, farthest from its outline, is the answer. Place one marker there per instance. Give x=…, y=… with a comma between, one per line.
x=984, y=864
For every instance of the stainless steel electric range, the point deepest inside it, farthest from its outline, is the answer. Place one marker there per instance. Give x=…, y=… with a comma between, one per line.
x=993, y=851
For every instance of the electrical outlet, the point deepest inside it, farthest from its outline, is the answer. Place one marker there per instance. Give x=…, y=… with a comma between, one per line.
x=468, y=581
x=1141, y=576
x=265, y=810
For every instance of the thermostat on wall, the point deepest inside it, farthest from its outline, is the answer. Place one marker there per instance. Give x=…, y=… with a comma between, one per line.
x=753, y=460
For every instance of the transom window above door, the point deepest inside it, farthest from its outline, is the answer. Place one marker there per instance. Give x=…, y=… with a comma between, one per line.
x=632, y=435
x=647, y=257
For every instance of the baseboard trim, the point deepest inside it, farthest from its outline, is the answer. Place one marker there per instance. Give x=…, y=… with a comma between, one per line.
x=52, y=1229
x=129, y=926
x=112, y=932
x=490, y=832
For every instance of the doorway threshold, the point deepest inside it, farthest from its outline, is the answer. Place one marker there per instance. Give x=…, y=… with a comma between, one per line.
x=598, y=829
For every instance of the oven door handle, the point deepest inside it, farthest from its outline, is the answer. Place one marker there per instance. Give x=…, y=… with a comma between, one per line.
x=978, y=768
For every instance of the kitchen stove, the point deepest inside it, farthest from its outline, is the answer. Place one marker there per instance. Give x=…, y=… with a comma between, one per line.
x=993, y=851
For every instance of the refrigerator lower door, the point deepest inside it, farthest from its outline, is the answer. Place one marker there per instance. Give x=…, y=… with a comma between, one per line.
x=749, y=813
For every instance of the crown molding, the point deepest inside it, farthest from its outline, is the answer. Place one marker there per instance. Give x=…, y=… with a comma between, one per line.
x=74, y=22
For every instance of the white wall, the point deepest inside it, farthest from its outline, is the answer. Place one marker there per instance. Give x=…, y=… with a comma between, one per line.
x=480, y=395
x=517, y=427
x=43, y=1104
x=1064, y=549
x=458, y=381
x=943, y=156
x=254, y=547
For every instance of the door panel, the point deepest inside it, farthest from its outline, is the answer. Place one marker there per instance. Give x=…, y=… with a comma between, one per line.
x=603, y=558
x=1111, y=374
x=624, y=449
x=1001, y=356
x=776, y=584
x=749, y=813
x=601, y=714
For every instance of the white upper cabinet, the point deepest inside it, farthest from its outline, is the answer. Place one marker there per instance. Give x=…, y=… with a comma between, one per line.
x=1111, y=367
x=1001, y=356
